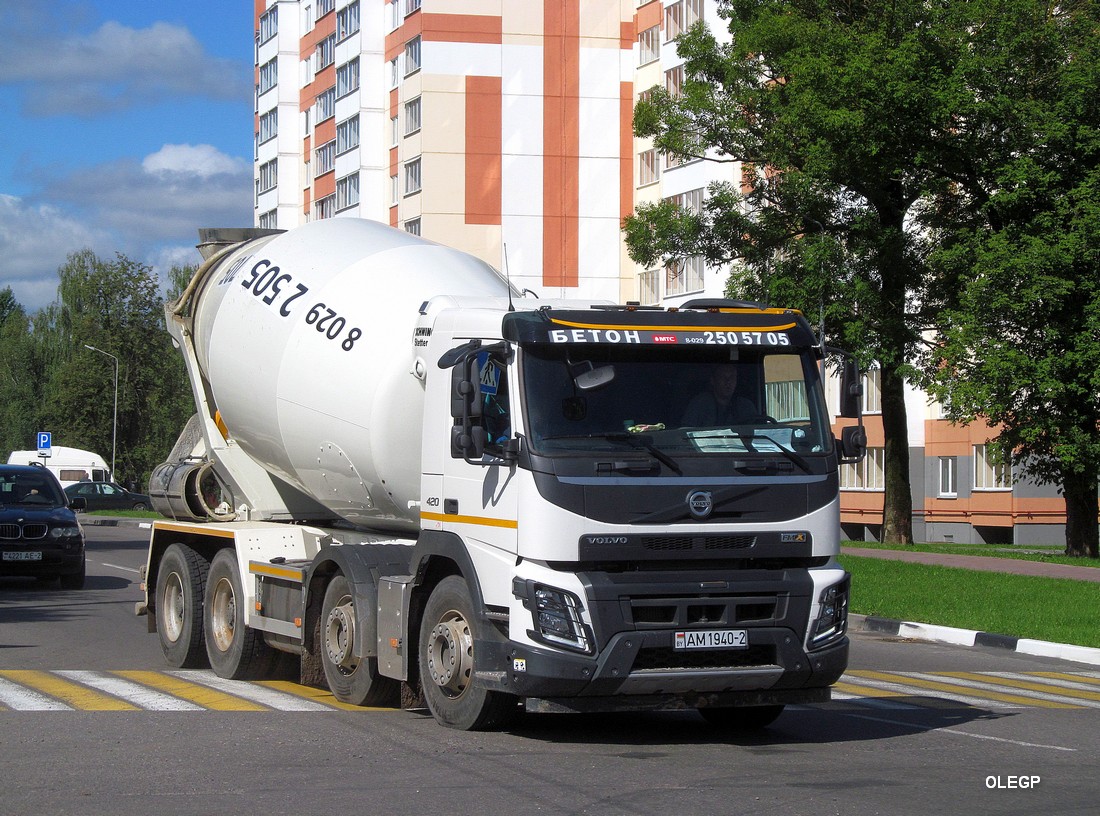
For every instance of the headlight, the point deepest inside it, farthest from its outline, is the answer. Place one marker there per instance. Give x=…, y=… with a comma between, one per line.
x=65, y=532
x=832, y=617
x=556, y=615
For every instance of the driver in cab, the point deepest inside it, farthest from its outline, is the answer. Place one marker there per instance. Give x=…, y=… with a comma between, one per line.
x=720, y=404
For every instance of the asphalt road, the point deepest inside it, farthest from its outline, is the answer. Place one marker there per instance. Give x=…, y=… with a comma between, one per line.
x=914, y=728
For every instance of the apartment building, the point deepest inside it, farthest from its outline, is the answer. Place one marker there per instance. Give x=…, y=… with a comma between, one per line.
x=504, y=128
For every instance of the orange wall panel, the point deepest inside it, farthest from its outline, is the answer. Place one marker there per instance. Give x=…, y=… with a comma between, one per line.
x=561, y=142
x=465, y=28
x=484, y=149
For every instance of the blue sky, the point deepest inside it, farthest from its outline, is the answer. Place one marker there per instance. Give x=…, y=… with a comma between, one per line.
x=127, y=125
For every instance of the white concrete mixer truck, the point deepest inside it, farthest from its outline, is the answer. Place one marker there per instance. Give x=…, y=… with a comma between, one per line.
x=420, y=486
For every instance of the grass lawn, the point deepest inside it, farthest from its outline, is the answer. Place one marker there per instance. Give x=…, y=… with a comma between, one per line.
x=1052, y=609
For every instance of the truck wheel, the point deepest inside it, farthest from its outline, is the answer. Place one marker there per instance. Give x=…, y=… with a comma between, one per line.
x=235, y=651
x=351, y=679
x=181, y=582
x=746, y=718
x=446, y=655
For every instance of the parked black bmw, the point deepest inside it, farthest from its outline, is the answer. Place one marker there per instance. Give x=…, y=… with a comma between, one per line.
x=39, y=533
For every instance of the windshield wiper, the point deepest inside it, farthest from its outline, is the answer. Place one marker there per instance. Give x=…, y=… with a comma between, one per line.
x=634, y=440
x=746, y=439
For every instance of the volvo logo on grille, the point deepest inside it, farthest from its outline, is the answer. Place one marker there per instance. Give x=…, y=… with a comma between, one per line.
x=700, y=503
x=604, y=539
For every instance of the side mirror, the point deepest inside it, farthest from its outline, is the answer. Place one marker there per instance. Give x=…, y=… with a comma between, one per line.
x=851, y=390
x=465, y=387
x=78, y=503
x=853, y=444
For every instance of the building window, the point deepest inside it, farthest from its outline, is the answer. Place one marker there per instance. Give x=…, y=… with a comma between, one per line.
x=325, y=54
x=324, y=158
x=649, y=167
x=412, y=56
x=395, y=132
x=347, y=78
x=347, y=191
x=674, y=80
x=269, y=125
x=680, y=16
x=683, y=276
x=324, y=207
x=269, y=176
x=347, y=135
x=649, y=45
x=395, y=191
x=325, y=107
x=692, y=200
x=324, y=7
x=872, y=391
x=347, y=21
x=395, y=74
x=949, y=477
x=267, y=220
x=412, y=177
x=412, y=226
x=864, y=475
x=992, y=469
x=269, y=25
x=649, y=287
x=410, y=7
x=412, y=116
x=269, y=75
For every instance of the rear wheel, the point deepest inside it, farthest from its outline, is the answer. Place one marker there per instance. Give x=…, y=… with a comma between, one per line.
x=746, y=718
x=139, y=506
x=181, y=582
x=351, y=679
x=235, y=651
x=446, y=655
x=74, y=580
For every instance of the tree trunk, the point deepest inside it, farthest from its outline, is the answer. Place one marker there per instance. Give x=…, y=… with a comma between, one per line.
x=897, y=503
x=1082, y=528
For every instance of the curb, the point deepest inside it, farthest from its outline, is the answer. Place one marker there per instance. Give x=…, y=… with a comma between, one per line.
x=971, y=638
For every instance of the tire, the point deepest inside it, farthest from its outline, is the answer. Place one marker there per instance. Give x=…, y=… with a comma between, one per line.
x=445, y=652
x=746, y=718
x=139, y=506
x=235, y=652
x=351, y=679
x=74, y=580
x=181, y=583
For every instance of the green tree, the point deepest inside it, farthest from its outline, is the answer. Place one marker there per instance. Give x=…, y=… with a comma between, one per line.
x=1021, y=349
x=842, y=114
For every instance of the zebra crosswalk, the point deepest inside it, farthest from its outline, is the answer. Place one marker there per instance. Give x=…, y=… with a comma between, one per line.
x=202, y=690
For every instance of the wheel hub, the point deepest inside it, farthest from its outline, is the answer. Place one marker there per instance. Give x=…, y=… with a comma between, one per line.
x=450, y=655
x=173, y=605
x=340, y=637
x=223, y=614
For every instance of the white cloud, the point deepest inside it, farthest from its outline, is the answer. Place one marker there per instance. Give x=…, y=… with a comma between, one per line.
x=198, y=160
x=148, y=210
x=114, y=68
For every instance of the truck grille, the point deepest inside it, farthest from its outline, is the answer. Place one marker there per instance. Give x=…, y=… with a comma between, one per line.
x=10, y=532
x=657, y=659
x=708, y=543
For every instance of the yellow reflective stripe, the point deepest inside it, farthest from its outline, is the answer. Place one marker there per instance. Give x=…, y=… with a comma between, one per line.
x=484, y=521
x=316, y=695
x=952, y=688
x=192, y=692
x=74, y=694
x=275, y=571
x=202, y=529
x=679, y=327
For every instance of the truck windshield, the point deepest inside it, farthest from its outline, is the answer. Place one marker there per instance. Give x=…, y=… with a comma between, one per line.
x=678, y=401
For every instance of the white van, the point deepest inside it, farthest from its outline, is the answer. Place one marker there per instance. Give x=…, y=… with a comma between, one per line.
x=69, y=465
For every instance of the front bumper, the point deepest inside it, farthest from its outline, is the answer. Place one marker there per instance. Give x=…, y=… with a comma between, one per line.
x=57, y=559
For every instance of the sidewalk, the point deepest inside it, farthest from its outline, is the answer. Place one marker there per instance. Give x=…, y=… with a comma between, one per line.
x=968, y=637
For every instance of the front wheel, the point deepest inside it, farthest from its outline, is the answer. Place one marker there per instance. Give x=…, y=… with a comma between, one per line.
x=235, y=651
x=181, y=583
x=351, y=679
x=448, y=631
x=746, y=718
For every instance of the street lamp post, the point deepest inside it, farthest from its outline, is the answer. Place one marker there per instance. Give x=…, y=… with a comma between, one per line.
x=114, y=421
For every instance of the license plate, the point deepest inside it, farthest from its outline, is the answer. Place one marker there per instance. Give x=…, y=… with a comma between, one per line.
x=23, y=556
x=712, y=639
